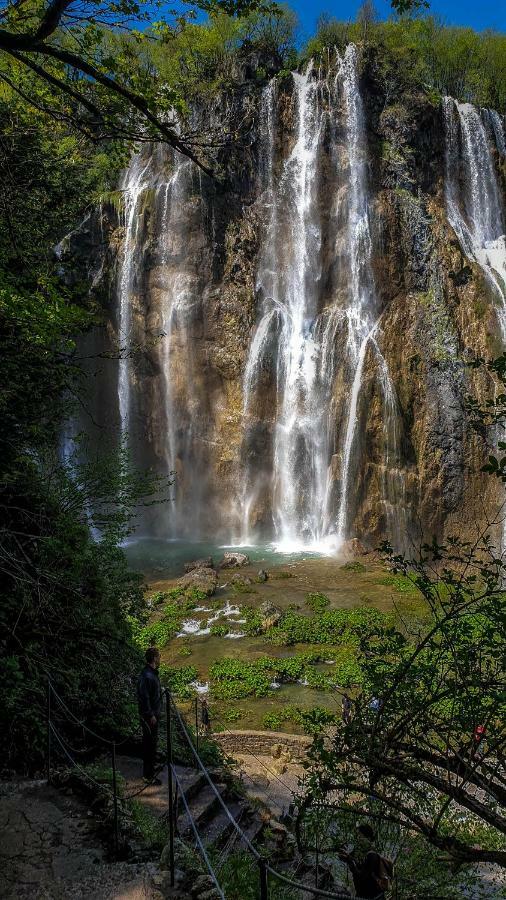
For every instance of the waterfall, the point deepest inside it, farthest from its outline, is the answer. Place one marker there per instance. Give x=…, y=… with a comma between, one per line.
x=175, y=347
x=361, y=311
x=473, y=200
x=133, y=185
x=304, y=344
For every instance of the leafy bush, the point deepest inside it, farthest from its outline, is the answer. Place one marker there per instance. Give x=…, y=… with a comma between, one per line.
x=253, y=624
x=354, y=566
x=218, y=630
x=331, y=627
x=178, y=679
x=317, y=602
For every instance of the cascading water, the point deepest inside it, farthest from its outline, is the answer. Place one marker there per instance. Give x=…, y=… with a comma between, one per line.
x=309, y=344
x=133, y=185
x=178, y=300
x=473, y=202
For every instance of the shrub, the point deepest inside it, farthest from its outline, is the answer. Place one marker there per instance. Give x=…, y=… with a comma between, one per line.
x=354, y=566
x=331, y=627
x=317, y=602
x=178, y=679
x=219, y=630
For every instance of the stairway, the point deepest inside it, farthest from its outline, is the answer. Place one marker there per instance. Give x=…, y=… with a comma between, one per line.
x=214, y=825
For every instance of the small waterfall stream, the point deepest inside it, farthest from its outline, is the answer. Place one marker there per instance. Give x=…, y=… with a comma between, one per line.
x=474, y=202
x=473, y=198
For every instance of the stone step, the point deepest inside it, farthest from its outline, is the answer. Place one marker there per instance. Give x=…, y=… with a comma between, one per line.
x=252, y=830
x=220, y=828
x=191, y=780
x=202, y=807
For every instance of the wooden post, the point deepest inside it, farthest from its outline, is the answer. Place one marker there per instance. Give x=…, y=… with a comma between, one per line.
x=264, y=886
x=171, y=793
x=115, y=800
x=48, y=736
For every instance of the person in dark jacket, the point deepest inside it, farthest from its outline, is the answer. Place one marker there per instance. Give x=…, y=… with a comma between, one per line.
x=371, y=872
x=149, y=695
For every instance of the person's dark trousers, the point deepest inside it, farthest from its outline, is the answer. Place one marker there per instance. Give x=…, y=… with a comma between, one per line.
x=149, y=743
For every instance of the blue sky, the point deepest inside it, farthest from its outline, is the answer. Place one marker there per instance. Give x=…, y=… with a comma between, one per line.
x=479, y=14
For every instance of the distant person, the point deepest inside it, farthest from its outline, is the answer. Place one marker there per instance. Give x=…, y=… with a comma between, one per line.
x=204, y=717
x=479, y=740
x=346, y=709
x=372, y=873
x=149, y=695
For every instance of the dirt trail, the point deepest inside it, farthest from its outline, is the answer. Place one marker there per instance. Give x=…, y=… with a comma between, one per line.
x=50, y=850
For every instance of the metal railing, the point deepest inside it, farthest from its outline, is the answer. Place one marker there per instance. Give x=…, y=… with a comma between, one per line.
x=266, y=871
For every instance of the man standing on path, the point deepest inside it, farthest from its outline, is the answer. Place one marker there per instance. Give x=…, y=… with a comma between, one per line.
x=149, y=695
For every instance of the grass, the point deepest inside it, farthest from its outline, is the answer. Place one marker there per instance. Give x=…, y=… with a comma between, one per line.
x=152, y=829
x=400, y=583
x=354, y=567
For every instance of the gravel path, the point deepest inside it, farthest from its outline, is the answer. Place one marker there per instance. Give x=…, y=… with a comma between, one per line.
x=50, y=851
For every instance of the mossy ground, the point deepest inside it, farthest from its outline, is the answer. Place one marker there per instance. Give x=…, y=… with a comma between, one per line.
x=364, y=583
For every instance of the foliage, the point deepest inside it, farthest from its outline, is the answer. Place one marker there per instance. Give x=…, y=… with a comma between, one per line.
x=90, y=64
x=160, y=632
x=151, y=827
x=218, y=630
x=233, y=679
x=346, y=625
x=354, y=566
x=317, y=602
x=420, y=52
x=417, y=757
x=178, y=679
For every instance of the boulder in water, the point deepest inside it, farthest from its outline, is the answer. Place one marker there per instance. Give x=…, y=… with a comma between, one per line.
x=234, y=560
x=242, y=580
x=202, y=579
x=205, y=563
x=270, y=614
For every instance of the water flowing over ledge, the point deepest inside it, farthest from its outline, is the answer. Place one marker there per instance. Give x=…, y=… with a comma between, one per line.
x=290, y=352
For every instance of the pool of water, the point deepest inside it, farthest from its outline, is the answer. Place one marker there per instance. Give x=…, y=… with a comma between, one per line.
x=166, y=559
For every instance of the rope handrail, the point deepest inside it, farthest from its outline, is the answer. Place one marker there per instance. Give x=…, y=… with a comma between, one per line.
x=77, y=721
x=197, y=836
x=101, y=786
x=317, y=892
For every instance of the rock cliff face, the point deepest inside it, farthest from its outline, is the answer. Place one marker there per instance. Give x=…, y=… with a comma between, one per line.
x=295, y=339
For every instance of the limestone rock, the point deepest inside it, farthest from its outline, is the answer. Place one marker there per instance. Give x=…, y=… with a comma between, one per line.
x=234, y=560
x=270, y=614
x=242, y=580
x=204, y=580
x=354, y=547
x=262, y=575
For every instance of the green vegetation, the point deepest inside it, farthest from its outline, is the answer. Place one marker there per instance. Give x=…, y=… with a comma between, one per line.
x=317, y=602
x=178, y=679
x=354, y=566
x=233, y=679
x=151, y=827
x=400, y=583
x=347, y=626
x=422, y=54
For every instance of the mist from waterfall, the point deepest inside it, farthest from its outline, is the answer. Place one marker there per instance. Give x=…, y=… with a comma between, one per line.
x=310, y=345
